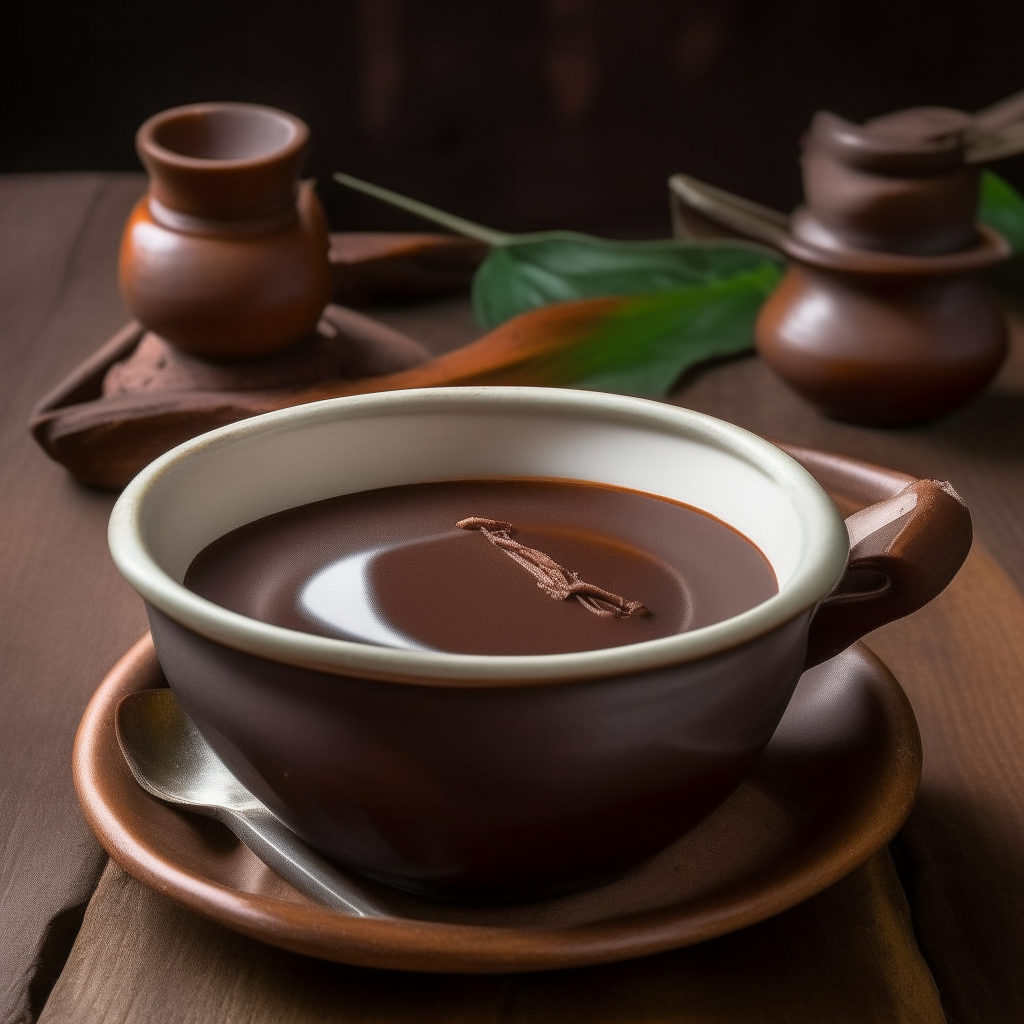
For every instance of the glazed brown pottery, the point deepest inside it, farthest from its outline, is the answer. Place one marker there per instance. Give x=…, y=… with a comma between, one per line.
x=497, y=777
x=877, y=340
x=833, y=786
x=226, y=255
x=895, y=184
x=884, y=316
x=886, y=340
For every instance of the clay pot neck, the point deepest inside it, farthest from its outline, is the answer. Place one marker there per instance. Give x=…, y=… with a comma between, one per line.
x=988, y=250
x=263, y=223
x=223, y=162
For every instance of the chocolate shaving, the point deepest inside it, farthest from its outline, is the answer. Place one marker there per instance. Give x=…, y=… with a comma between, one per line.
x=555, y=580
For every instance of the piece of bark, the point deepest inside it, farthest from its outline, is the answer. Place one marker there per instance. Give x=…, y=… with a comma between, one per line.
x=127, y=403
x=385, y=267
x=345, y=345
x=106, y=441
x=137, y=397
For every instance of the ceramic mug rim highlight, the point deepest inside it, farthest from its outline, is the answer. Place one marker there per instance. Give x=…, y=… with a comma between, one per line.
x=142, y=512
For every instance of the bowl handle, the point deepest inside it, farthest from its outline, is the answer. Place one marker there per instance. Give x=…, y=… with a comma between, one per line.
x=904, y=551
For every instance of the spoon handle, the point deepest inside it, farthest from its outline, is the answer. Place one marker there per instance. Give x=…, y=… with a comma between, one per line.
x=740, y=216
x=1002, y=114
x=997, y=131
x=281, y=850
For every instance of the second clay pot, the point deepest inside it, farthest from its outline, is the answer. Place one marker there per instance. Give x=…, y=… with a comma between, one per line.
x=884, y=349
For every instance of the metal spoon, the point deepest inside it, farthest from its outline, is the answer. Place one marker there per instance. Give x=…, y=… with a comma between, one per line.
x=997, y=131
x=742, y=216
x=172, y=761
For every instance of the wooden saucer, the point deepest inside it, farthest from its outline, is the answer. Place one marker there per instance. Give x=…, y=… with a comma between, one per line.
x=834, y=785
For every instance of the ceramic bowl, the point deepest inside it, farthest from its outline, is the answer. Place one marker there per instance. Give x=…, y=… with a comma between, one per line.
x=485, y=777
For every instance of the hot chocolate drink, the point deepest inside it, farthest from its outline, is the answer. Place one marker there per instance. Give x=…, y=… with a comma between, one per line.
x=487, y=566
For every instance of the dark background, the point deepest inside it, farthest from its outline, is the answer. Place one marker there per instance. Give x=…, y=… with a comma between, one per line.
x=523, y=114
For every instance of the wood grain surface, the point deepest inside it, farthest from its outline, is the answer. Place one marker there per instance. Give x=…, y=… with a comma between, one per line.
x=65, y=613
x=849, y=954
x=845, y=957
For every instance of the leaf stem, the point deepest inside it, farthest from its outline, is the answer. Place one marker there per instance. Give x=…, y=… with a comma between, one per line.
x=459, y=225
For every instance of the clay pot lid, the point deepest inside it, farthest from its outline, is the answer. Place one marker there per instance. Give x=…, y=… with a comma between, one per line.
x=918, y=141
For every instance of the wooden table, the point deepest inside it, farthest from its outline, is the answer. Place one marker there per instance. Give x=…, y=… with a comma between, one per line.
x=933, y=926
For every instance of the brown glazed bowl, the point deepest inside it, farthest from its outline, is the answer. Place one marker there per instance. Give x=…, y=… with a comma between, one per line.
x=486, y=777
x=226, y=256
x=886, y=339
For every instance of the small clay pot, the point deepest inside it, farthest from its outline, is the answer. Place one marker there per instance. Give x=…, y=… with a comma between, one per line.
x=895, y=184
x=903, y=344
x=226, y=256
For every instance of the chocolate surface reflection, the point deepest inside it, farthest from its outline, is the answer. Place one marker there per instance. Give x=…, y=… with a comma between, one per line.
x=390, y=567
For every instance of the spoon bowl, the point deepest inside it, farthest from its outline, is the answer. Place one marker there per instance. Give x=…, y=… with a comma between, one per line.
x=170, y=760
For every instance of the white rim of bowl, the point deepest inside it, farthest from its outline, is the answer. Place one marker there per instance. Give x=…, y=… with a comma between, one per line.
x=823, y=562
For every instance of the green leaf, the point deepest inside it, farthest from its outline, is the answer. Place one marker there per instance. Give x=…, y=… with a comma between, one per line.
x=524, y=272
x=535, y=270
x=643, y=344
x=1002, y=207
